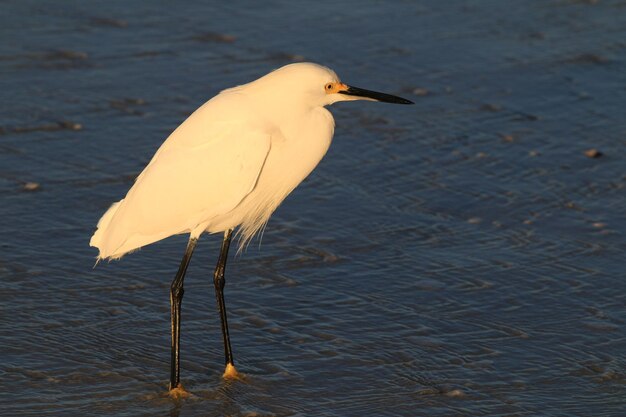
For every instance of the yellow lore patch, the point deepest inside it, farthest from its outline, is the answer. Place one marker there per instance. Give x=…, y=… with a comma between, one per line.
x=332, y=88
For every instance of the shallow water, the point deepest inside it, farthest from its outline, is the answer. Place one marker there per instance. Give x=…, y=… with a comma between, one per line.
x=458, y=257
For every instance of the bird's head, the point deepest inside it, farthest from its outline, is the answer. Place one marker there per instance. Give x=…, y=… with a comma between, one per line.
x=316, y=85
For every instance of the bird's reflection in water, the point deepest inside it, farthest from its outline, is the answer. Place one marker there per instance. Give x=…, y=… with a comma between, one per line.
x=175, y=410
x=223, y=399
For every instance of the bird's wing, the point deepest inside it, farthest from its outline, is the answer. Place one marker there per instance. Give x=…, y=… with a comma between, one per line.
x=201, y=171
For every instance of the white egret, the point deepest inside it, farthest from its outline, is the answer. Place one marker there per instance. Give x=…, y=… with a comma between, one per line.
x=229, y=165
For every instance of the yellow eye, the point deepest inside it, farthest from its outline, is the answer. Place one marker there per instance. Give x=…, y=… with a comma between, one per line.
x=328, y=87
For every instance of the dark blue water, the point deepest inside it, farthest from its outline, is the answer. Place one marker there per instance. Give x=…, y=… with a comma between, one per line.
x=459, y=257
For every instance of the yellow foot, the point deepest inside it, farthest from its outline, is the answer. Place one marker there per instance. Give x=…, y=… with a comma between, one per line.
x=230, y=372
x=179, y=392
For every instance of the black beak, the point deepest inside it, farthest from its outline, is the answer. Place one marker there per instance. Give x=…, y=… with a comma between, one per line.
x=374, y=95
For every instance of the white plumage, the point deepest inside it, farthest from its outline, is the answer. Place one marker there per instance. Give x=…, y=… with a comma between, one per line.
x=231, y=163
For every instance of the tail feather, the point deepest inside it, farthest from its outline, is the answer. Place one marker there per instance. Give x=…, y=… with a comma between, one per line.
x=98, y=238
x=114, y=237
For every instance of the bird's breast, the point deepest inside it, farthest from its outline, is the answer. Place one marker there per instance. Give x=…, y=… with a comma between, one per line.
x=301, y=145
x=296, y=149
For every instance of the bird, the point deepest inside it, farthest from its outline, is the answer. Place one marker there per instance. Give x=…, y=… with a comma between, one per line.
x=226, y=169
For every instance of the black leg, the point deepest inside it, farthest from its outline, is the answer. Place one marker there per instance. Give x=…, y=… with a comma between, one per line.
x=176, y=299
x=219, y=281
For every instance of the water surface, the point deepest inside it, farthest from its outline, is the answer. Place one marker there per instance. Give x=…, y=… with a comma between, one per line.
x=461, y=256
